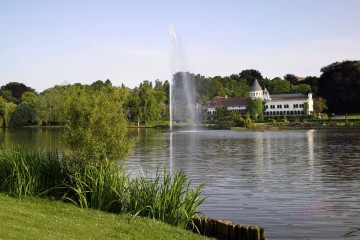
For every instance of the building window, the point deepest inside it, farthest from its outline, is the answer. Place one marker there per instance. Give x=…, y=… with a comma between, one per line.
x=272, y=106
x=301, y=105
x=279, y=106
x=286, y=105
x=296, y=105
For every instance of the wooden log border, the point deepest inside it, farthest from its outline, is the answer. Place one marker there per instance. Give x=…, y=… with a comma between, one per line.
x=226, y=230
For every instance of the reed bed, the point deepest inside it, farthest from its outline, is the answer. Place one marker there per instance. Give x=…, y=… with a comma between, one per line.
x=30, y=173
x=167, y=197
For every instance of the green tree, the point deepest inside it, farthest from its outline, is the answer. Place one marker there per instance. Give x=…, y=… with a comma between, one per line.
x=216, y=87
x=17, y=89
x=151, y=102
x=6, y=111
x=29, y=97
x=277, y=86
x=202, y=86
x=291, y=78
x=256, y=109
x=313, y=81
x=95, y=124
x=339, y=84
x=23, y=115
x=49, y=106
x=7, y=95
x=319, y=105
x=133, y=106
x=250, y=75
x=301, y=88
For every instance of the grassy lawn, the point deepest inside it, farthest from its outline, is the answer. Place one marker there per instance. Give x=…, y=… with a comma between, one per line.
x=35, y=218
x=353, y=116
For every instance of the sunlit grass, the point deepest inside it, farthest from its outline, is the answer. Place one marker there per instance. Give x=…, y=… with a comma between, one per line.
x=36, y=218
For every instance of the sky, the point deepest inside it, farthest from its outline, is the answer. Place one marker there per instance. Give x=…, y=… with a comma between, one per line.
x=45, y=43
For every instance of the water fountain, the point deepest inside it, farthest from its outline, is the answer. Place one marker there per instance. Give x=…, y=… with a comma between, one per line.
x=182, y=91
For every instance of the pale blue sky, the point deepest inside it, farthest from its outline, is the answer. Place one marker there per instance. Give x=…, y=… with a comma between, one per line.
x=43, y=43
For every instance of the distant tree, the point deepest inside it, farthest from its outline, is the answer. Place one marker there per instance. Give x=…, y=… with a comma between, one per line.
x=17, y=89
x=277, y=86
x=151, y=102
x=256, y=109
x=29, y=97
x=216, y=87
x=99, y=85
x=313, y=81
x=237, y=119
x=202, y=88
x=277, y=79
x=250, y=75
x=339, y=84
x=22, y=115
x=133, y=106
x=301, y=88
x=291, y=78
x=6, y=111
x=222, y=113
x=7, y=95
x=166, y=89
x=49, y=106
x=319, y=105
x=108, y=82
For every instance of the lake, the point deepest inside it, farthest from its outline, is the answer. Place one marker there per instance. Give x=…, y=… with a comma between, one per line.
x=299, y=184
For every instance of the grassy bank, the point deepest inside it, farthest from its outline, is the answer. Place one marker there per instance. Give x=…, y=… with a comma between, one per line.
x=36, y=218
x=105, y=186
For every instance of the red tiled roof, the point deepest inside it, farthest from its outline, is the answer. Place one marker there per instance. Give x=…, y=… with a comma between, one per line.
x=287, y=97
x=229, y=102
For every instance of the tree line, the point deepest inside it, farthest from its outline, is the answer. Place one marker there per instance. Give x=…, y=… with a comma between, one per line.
x=336, y=90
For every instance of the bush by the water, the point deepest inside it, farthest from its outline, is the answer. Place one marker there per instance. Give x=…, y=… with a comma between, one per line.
x=168, y=197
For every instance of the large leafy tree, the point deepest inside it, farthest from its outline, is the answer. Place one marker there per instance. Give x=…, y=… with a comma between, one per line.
x=16, y=89
x=256, y=109
x=95, y=123
x=22, y=115
x=250, y=75
x=133, y=106
x=29, y=97
x=339, y=85
x=313, y=82
x=291, y=78
x=151, y=102
x=277, y=86
x=49, y=106
x=6, y=111
x=301, y=88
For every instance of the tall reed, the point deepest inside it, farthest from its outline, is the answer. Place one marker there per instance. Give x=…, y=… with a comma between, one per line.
x=167, y=197
x=99, y=186
x=171, y=200
x=24, y=172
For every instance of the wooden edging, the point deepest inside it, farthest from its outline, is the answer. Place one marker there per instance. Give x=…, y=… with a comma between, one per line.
x=226, y=230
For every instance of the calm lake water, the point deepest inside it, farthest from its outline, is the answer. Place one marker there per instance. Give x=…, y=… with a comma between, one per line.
x=296, y=184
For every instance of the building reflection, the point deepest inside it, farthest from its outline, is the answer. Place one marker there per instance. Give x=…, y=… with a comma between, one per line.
x=311, y=158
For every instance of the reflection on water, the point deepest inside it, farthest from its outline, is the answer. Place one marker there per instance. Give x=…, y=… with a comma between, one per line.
x=296, y=184
x=41, y=138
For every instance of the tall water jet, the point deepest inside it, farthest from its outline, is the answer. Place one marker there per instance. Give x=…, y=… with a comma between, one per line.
x=182, y=91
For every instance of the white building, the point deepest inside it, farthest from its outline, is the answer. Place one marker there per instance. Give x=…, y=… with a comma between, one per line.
x=274, y=105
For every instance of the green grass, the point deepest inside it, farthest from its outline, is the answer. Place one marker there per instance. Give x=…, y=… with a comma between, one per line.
x=36, y=218
x=101, y=185
x=353, y=116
